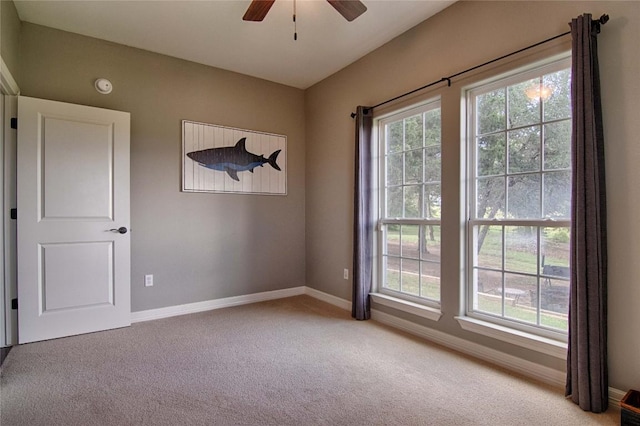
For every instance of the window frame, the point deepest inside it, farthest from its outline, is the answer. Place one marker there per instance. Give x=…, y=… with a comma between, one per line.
x=384, y=294
x=470, y=94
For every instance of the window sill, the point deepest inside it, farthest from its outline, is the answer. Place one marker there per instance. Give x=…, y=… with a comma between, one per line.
x=520, y=338
x=406, y=306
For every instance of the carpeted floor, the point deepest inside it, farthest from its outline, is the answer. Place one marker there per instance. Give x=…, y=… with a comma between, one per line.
x=295, y=361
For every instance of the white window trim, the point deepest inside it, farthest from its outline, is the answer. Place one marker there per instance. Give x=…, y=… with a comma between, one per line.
x=403, y=305
x=544, y=341
x=516, y=337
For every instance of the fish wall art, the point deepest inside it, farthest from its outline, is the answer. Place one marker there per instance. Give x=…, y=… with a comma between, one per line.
x=225, y=159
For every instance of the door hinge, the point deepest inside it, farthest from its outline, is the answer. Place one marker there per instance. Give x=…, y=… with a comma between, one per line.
x=14, y=123
x=14, y=214
x=14, y=304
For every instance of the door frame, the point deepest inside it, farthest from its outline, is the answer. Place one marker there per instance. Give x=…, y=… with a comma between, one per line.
x=8, y=283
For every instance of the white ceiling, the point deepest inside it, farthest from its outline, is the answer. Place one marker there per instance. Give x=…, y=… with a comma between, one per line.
x=213, y=32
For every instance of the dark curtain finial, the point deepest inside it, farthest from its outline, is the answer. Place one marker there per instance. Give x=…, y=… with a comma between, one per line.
x=597, y=23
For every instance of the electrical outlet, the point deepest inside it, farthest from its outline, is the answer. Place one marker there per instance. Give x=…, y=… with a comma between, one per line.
x=346, y=274
x=148, y=280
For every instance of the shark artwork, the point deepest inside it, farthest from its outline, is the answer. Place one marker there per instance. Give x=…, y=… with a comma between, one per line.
x=232, y=159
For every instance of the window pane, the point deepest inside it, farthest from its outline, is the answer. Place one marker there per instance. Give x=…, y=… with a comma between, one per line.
x=554, y=280
x=555, y=252
x=559, y=322
x=394, y=201
x=430, y=243
x=413, y=132
x=394, y=169
x=558, y=105
x=524, y=105
x=554, y=284
x=490, y=109
x=488, y=294
x=413, y=201
x=521, y=253
x=557, y=145
x=490, y=156
x=524, y=150
x=392, y=277
x=432, y=127
x=489, y=246
x=432, y=163
x=393, y=240
x=430, y=280
x=410, y=241
x=413, y=166
x=490, y=198
x=557, y=194
x=517, y=297
x=394, y=137
x=410, y=277
x=432, y=201
x=524, y=197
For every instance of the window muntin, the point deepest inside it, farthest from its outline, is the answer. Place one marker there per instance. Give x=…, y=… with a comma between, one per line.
x=520, y=200
x=410, y=204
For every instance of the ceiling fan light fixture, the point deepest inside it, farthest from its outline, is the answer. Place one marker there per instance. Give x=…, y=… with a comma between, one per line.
x=349, y=9
x=541, y=92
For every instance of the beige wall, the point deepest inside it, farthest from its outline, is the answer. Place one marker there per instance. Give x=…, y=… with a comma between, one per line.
x=197, y=246
x=9, y=34
x=464, y=35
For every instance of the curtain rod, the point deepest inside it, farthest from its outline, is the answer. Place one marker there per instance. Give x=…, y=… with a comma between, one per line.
x=602, y=20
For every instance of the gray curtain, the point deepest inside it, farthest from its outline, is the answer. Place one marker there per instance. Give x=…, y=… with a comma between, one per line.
x=364, y=222
x=587, y=376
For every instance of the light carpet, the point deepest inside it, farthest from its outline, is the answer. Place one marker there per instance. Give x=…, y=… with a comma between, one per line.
x=294, y=361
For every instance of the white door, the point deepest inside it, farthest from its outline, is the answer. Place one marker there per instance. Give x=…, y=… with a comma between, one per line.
x=73, y=196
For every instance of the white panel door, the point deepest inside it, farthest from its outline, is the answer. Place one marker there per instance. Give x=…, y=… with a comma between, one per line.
x=73, y=199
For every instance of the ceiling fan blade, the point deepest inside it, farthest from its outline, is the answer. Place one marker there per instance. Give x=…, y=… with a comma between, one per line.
x=257, y=10
x=350, y=9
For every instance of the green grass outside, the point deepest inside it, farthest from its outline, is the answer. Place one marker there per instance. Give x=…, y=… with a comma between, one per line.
x=411, y=284
x=493, y=305
x=518, y=259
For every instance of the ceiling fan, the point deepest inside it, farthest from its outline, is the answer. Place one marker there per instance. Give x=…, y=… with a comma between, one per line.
x=350, y=9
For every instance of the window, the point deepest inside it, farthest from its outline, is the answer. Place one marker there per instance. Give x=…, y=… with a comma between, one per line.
x=410, y=203
x=520, y=200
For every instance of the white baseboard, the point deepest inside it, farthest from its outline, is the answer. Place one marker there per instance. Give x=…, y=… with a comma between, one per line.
x=329, y=298
x=510, y=362
x=208, y=305
x=615, y=396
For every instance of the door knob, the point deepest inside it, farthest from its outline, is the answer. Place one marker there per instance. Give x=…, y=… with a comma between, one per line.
x=121, y=230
